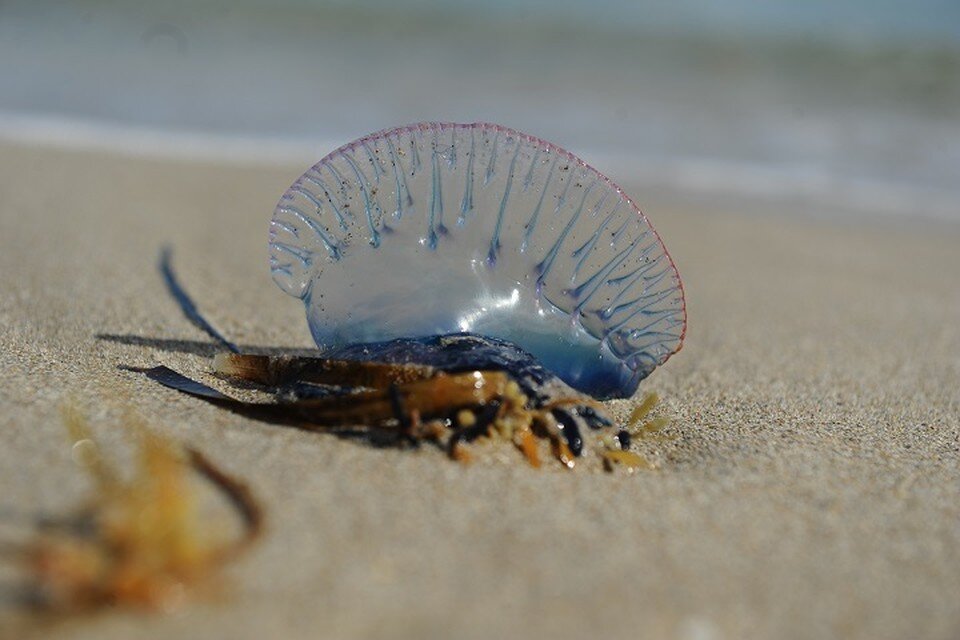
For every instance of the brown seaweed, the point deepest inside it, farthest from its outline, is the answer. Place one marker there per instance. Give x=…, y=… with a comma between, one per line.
x=141, y=541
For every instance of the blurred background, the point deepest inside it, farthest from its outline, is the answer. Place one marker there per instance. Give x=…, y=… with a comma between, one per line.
x=840, y=106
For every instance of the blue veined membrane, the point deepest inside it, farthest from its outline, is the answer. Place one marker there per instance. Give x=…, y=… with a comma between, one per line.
x=439, y=228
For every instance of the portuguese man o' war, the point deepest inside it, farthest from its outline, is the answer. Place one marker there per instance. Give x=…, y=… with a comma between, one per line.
x=436, y=228
x=464, y=283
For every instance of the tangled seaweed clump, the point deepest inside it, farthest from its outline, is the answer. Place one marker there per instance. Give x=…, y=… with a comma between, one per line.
x=463, y=389
x=142, y=541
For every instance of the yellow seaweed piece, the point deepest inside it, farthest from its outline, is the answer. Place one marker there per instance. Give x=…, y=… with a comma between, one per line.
x=627, y=459
x=645, y=407
x=141, y=541
x=527, y=443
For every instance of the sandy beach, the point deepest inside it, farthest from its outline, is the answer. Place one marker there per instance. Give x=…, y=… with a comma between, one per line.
x=811, y=487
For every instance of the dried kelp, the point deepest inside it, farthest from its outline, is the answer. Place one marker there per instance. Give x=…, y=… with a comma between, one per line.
x=142, y=541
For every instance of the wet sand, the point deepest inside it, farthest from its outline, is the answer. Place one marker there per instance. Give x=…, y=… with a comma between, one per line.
x=811, y=487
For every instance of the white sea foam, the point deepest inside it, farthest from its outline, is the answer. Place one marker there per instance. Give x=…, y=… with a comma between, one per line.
x=807, y=185
x=153, y=142
x=811, y=187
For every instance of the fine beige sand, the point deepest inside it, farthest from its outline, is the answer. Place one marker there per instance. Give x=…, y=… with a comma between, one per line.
x=811, y=488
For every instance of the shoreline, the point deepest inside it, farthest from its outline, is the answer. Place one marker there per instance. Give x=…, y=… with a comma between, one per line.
x=705, y=179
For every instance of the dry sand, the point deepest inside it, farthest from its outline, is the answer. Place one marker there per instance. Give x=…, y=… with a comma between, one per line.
x=812, y=489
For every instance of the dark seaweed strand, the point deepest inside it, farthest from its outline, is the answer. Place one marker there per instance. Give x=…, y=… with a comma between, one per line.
x=396, y=403
x=485, y=418
x=183, y=299
x=571, y=432
x=593, y=419
x=175, y=380
x=285, y=414
x=403, y=418
x=239, y=495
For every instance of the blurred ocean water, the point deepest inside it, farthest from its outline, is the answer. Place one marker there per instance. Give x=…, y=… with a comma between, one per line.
x=848, y=103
